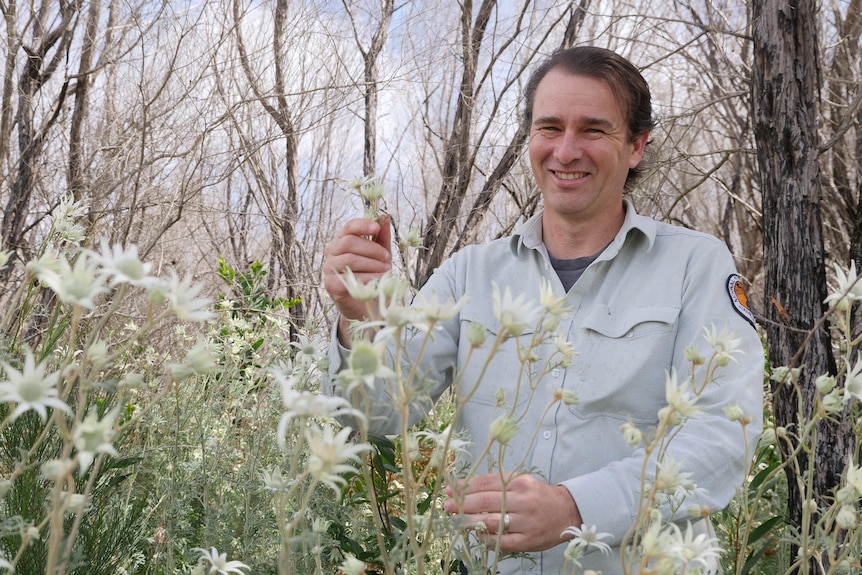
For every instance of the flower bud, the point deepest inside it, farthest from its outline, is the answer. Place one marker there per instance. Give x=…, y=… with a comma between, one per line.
x=567, y=396
x=476, y=334
x=846, y=518
x=825, y=383
x=631, y=434
x=504, y=429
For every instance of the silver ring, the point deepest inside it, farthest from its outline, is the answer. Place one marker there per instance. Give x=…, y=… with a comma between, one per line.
x=506, y=521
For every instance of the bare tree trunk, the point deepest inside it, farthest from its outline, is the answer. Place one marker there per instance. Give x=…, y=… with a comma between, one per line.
x=82, y=92
x=283, y=224
x=785, y=103
x=37, y=70
x=456, y=164
x=371, y=77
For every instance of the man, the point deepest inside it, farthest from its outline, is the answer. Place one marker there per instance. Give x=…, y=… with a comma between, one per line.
x=639, y=292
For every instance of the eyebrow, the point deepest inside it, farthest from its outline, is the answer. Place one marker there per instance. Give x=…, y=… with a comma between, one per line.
x=542, y=120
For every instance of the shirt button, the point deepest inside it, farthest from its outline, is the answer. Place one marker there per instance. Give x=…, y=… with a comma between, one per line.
x=555, y=372
x=546, y=435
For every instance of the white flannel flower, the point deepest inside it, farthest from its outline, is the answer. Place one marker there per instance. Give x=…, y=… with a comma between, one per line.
x=94, y=436
x=692, y=551
x=514, y=314
x=351, y=565
x=182, y=296
x=444, y=442
x=362, y=291
x=80, y=284
x=123, y=265
x=218, y=562
x=854, y=478
x=848, y=290
x=679, y=397
x=65, y=220
x=4, y=564
x=200, y=359
x=587, y=537
x=30, y=388
x=303, y=403
x=435, y=311
x=672, y=480
x=723, y=344
x=551, y=303
x=365, y=364
x=329, y=454
x=853, y=381
x=274, y=481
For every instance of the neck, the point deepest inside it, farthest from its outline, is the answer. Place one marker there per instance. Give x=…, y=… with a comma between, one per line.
x=570, y=238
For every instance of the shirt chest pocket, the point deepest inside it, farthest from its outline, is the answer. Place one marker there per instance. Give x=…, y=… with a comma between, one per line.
x=484, y=372
x=622, y=363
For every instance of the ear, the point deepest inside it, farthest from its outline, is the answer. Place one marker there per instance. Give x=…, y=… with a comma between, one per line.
x=638, y=147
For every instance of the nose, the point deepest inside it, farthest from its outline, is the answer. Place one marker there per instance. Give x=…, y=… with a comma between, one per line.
x=569, y=147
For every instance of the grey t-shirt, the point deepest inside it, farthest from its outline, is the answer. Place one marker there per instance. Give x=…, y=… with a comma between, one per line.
x=570, y=270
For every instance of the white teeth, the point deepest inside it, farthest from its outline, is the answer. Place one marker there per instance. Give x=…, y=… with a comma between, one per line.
x=570, y=176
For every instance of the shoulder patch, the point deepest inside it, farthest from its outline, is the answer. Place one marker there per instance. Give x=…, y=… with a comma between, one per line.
x=739, y=298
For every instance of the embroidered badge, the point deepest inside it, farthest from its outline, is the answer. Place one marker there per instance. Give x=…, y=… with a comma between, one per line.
x=738, y=298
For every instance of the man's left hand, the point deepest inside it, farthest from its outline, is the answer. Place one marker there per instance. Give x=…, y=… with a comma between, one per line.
x=538, y=512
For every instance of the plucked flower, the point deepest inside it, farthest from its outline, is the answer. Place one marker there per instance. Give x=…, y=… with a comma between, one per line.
x=847, y=290
x=182, y=296
x=93, y=435
x=330, y=453
x=218, y=562
x=30, y=388
x=515, y=315
x=123, y=265
x=587, y=537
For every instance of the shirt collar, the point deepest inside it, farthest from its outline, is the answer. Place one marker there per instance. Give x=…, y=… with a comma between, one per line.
x=529, y=234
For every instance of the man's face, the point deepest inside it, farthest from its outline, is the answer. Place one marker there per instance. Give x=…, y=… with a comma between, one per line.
x=579, y=147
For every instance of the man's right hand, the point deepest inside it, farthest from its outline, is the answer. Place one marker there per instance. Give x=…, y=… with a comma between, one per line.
x=364, y=247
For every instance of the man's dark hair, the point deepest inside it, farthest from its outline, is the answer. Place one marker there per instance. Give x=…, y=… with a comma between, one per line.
x=626, y=83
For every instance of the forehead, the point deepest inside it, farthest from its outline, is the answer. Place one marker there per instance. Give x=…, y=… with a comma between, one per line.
x=560, y=92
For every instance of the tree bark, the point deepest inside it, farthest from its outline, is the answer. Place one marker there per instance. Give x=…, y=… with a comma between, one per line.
x=785, y=96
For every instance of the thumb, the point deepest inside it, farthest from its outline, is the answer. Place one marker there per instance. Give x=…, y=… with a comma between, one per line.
x=384, y=237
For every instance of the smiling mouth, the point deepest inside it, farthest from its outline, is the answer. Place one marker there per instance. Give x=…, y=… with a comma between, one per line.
x=570, y=175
